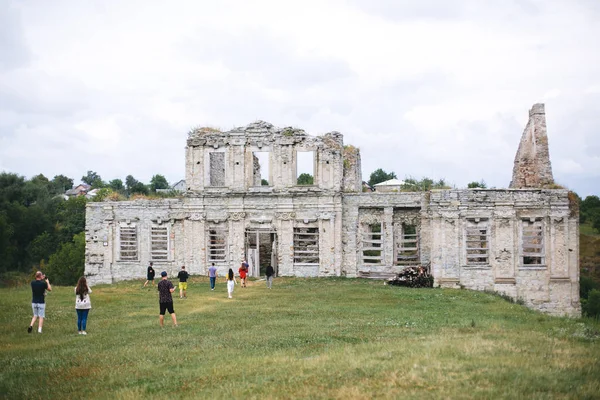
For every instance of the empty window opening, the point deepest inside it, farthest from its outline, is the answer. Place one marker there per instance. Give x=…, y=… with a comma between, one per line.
x=217, y=169
x=533, y=243
x=306, y=246
x=477, y=242
x=261, y=168
x=372, y=244
x=305, y=168
x=217, y=244
x=128, y=243
x=407, y=244
x=159, y=243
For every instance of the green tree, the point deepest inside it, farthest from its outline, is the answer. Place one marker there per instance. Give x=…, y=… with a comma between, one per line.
x=305, y=179
x=61, y=183
x=139, y=188
x=93, y=179
x=590, y=211
x=11, y=187
x=380, y=175
x=8, y=249
x=158, y=182
x=67, y=264
x=264, y=182
x=481, y=184
x=116, y=185
x=70, y=218
x=591, y=305
x=37, y=191
x=425, y=184
x=41, y=247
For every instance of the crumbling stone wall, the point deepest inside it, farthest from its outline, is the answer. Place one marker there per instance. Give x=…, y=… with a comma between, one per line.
x=532, y=168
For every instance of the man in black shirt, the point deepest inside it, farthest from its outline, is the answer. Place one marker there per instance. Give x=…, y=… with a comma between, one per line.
x=38, y=300
x=269, y=272
x=150, y=275
x=183, y=277
x=165, y=300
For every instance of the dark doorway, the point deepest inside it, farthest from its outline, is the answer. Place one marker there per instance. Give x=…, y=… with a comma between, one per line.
x=261, y=251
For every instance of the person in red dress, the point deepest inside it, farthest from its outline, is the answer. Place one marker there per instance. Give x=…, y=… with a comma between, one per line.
x=243, y=273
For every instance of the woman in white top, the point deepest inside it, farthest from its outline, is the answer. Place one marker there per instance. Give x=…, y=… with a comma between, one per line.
x=230, y=282
x=82, y=304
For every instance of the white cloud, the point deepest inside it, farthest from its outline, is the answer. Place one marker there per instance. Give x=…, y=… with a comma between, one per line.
x=436, y=88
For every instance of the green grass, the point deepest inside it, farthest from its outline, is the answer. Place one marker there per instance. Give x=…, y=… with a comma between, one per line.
x=305, y=338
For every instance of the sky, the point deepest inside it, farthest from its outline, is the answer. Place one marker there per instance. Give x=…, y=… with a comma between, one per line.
x=429, y=88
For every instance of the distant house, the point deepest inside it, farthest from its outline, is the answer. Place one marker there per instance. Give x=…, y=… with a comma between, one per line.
x=177, y=187
x=80, y=190
x=91, y=193
x=393, y=185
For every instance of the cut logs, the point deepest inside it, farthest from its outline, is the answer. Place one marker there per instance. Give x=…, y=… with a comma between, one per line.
x=415, y=277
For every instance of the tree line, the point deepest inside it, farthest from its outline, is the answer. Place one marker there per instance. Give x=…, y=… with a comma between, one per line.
x=39, y=229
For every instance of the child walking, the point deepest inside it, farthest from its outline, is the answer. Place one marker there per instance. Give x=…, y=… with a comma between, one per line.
x=82, y=304
x=230, y=282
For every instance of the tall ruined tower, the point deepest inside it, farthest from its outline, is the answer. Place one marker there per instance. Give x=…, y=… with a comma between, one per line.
x=532, y=167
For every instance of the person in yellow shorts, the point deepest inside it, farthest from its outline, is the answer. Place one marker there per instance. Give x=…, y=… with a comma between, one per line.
x=183, y=277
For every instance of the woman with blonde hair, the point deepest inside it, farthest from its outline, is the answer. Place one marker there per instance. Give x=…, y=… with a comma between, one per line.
x=82, y=304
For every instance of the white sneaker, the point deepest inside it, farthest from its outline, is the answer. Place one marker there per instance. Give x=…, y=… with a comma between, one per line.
x=79, y=332
x=83, y=332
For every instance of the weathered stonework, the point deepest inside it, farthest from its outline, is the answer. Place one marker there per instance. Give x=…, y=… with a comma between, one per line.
x=532, y=167
x=523, y=243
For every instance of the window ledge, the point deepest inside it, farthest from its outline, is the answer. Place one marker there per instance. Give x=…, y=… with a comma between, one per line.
x=533, y=267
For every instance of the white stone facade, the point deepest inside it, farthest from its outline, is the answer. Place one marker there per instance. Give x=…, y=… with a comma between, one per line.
x=521, y=242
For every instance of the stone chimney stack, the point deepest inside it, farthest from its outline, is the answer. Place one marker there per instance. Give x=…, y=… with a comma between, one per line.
x=532, y=167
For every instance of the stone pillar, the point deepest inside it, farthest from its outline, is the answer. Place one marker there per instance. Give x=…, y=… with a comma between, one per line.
x=237, y=237
x=285, y=232
x=504, y=255
x=349, y=244
x=532, y=168
x=388, y=236
x=447, y=245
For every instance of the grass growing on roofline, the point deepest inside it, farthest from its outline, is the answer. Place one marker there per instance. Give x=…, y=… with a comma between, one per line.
x=305, y=338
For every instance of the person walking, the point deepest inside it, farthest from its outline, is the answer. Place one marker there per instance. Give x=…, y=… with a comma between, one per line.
x=269, y=272
x=243, y=271
x=83, y=304
x=165, y=300
x=230, y=283
x=212, y=274
x=38, y=300
x=183, y=277
x=150, y=275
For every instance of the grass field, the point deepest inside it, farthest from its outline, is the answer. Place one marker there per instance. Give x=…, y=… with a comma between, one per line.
x=305, y=338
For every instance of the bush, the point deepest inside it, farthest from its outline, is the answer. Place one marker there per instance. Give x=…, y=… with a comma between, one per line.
x=66, y=266
x=586, y=285
x=591, y=305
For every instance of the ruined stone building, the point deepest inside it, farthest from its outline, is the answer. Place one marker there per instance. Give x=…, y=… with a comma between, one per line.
x=521, y=241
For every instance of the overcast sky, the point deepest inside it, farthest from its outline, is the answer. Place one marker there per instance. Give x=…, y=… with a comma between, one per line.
x=435, y=88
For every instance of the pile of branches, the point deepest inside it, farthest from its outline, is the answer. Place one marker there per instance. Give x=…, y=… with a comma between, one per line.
x=415, y=277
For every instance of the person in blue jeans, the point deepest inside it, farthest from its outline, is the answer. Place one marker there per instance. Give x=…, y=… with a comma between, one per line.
x=212, y=274
x=82, y=304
